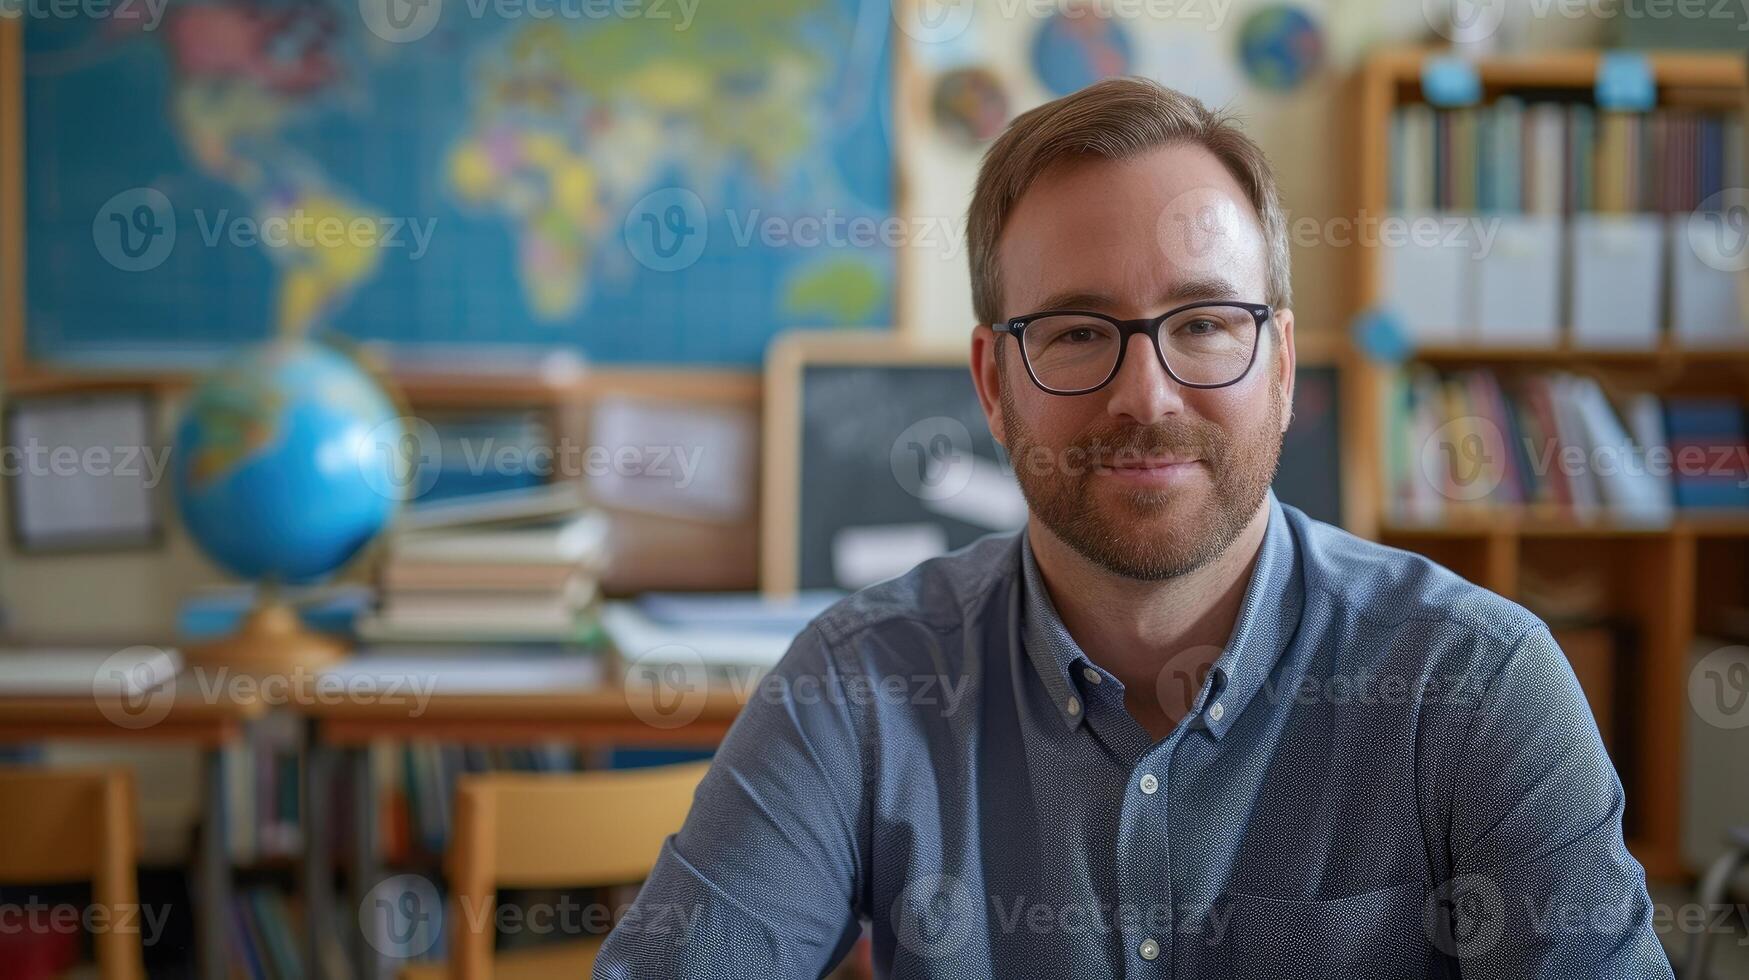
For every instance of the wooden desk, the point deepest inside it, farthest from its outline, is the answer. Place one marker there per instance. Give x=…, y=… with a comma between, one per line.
x=179, y=711
x=566, y=706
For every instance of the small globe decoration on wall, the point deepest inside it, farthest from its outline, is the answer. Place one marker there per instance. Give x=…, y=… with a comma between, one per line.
x=1280, y=48
x=970, y=105
x=285, y=464
x=1078, y=46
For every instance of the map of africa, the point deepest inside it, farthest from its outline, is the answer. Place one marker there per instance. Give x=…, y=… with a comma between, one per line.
x=638, y=187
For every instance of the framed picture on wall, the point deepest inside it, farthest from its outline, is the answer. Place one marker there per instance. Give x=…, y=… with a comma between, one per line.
x=82, y=472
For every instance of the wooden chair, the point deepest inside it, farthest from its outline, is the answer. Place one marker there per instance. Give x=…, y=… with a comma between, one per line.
x=526, y=830
x=59, y=825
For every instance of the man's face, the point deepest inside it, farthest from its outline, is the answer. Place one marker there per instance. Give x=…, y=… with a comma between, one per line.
x=1144, y=477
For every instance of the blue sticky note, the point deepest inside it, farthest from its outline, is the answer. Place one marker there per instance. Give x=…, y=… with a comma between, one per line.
x=1450, y=82
x=1380, y=335
x=1624, y=82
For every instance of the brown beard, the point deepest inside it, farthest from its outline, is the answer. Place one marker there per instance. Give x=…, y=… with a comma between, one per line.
x=1058, y=486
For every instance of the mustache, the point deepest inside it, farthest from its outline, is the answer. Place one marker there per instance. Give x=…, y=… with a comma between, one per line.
x=1175, y=437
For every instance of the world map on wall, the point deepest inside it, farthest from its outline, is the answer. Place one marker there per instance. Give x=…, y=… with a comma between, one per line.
x=649, y=180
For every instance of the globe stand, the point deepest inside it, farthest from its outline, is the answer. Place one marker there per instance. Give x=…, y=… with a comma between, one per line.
x=271, y=640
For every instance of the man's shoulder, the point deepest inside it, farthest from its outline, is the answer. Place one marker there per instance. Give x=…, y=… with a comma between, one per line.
x=1393, y=590
x=940, y=595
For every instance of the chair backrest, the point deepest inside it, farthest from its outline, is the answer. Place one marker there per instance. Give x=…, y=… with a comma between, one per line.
x=59, y=825
x=523, y=830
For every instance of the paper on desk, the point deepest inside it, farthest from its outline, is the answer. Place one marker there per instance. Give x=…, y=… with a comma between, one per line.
x=472, y=675
x=862, y=556
x=637, y=637
x=100, y=672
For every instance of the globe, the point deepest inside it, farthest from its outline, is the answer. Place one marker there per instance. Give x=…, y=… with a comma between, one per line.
x=285, y=465
x=278, y=463
x=1280, y=47
x=1076, y=47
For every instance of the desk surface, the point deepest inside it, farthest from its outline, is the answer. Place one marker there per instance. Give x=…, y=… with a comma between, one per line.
x=385, y=698
x=183, y=710
x=561, y=699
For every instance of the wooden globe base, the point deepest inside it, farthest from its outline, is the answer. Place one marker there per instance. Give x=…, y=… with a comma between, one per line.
x=271, y=640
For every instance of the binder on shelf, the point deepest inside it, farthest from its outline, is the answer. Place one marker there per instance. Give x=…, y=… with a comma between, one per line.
x=1518, y=283
x=1705, y=309
x=1428, y=284
x=1617, y=279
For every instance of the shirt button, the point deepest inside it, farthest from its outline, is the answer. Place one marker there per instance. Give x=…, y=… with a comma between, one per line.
x=1149, y=949
x=1074, y=705
x=1216, y=711
x=1149, y=785
x=1091, y=675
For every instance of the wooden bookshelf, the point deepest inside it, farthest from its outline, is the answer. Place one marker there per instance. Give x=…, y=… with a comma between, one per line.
x=1651, y=569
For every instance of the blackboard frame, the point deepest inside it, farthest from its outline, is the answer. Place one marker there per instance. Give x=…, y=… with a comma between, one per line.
x=786, y=363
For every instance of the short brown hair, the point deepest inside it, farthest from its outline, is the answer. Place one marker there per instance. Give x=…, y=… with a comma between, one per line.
x=1113, y=119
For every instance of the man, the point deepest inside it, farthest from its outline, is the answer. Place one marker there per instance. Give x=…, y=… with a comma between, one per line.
x=1174, y=728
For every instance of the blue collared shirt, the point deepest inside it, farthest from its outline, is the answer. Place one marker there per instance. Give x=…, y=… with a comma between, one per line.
x=1388, y=772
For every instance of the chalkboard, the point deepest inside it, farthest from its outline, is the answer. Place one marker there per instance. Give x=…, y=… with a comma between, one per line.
x=868, y=446
x=636, y=191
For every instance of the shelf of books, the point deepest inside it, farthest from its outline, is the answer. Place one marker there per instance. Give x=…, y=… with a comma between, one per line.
x=1552, y=365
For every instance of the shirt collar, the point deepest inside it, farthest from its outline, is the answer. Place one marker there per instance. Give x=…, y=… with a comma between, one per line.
x=1268, y=618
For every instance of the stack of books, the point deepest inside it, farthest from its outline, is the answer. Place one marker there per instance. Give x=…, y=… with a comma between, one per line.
x=518, y=566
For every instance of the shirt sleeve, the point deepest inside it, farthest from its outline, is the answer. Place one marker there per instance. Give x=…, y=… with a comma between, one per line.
x=1543, y=884
x=761, y=879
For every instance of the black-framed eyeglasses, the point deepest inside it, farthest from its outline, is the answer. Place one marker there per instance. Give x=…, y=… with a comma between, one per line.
x=1201, y=345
